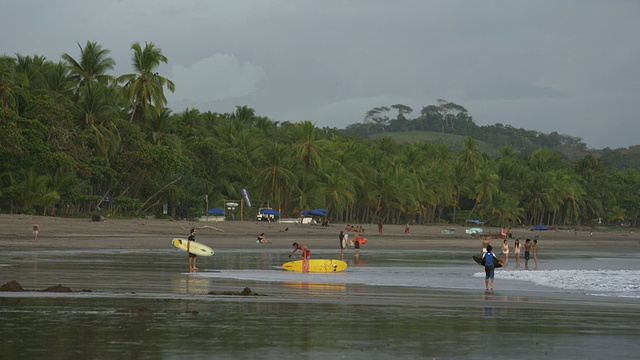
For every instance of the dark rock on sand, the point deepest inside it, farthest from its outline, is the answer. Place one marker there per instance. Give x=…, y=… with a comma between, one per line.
x=58, y=288
x=12, y=286
x=245, y=292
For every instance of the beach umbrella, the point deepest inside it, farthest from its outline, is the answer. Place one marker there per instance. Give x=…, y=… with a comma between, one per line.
x=324, y=211
x=478, y=222
x=539, y=228
x=269, y=212
x=216, y=211
x=312, y=213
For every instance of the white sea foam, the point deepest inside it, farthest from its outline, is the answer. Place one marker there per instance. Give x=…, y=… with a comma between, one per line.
x=614, y=283
x=618, y=283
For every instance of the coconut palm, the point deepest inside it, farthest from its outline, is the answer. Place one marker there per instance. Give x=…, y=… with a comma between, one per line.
x=92, y=66
x=144, y=87
x=11, y=83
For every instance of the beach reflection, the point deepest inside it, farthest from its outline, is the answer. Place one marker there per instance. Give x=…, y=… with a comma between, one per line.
x=144, y=306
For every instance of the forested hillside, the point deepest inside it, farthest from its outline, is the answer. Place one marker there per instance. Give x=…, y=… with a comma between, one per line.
x=447, y=121
x=75, y=138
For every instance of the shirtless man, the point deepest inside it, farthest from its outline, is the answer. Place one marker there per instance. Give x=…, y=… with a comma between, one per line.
x=306, y=253
x=527, y=248
x=485, y=242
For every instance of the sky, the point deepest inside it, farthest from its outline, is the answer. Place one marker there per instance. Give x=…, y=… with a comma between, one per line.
x=569, y=66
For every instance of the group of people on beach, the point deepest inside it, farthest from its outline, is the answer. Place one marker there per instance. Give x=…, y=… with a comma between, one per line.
x=489, y=259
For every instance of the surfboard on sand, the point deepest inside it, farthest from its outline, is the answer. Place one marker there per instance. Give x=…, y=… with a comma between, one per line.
x=316, y=265
x=193, y=247
x=478, y=259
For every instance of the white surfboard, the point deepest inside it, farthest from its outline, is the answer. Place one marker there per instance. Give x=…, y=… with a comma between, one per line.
x=193, y=247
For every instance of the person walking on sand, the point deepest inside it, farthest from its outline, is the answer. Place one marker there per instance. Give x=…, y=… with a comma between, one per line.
x=380, y=227
x=306, y=253
x=489, y=260
x=36, y=229
x=505, y=252
x=535, y=253
x=527, y=248
x=193, y=258
x=516, y=251
x=407, y=229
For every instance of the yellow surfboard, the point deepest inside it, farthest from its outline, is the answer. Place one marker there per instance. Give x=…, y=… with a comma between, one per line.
x=193, y=247
x=317, y=265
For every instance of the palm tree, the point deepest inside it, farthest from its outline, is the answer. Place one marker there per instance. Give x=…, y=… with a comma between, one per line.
x=93, y=65
x=308, y=144
x=144, y=88
x=11, y=83
x=161, y=127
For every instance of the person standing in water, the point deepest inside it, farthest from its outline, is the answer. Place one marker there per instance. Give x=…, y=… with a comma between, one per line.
x=193, y=258
x=505, y=252
x=306, y=253
x=489, y=260
x=516, y=251
x=535, y=253
x=342, y=242
x=527, y=249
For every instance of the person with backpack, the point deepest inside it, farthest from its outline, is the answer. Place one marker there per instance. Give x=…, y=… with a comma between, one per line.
x=489, y=262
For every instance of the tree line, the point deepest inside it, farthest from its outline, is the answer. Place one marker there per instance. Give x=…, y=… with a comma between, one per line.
x=75, y=138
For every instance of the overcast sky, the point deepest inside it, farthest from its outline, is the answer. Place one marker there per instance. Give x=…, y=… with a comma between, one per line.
x=571, y=66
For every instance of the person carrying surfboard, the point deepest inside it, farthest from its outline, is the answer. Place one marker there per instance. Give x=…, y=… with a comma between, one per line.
x=306, y=253
x=193, y=258
x=489, y=260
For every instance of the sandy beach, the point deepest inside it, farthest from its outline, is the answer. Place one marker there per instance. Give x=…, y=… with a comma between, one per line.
x=408, y=296
x=72, y=233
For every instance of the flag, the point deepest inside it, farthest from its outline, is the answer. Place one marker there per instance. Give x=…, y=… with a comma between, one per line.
x=245, y=195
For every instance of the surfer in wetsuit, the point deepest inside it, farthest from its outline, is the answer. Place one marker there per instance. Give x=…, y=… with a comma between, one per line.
x=306, y=253
x=193, y=258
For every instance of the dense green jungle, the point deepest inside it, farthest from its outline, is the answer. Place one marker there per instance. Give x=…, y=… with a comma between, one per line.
x=76, y=140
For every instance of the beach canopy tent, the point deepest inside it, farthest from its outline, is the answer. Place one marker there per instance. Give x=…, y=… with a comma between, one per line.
x=270, y=212
x=312, y=213
x=324, y=211
x=478, y=222
x=216, y=211
x=539, y=227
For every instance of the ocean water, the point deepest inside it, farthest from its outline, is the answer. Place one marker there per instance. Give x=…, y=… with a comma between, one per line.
x=387, y=304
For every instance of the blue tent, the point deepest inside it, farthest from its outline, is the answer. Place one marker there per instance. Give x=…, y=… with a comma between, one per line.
x=476, y=222
x=324, y=211
x=539, y=227
x=312, y=213
x=269, y=212
x=216, y=211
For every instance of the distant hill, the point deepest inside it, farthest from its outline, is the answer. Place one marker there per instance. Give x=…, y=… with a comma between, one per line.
x=452, y=140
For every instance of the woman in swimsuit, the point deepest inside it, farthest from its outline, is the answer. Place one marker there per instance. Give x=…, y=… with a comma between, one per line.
x=505, y=252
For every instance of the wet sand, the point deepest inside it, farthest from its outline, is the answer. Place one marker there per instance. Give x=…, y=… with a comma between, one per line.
x=143, y=304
